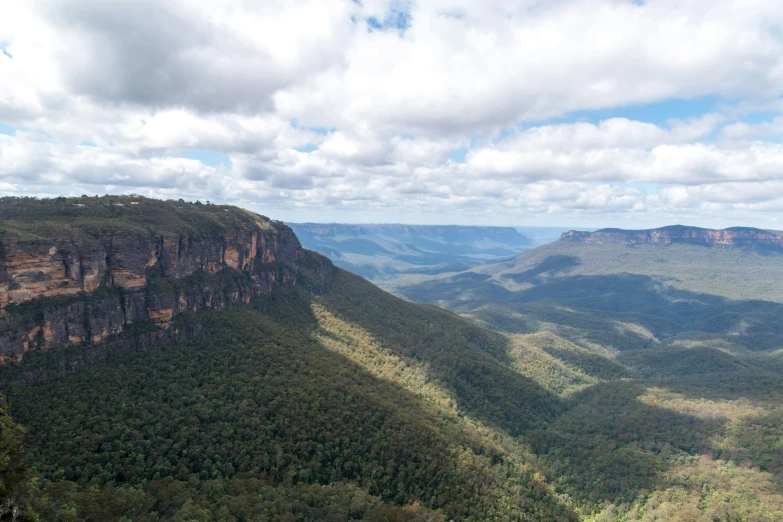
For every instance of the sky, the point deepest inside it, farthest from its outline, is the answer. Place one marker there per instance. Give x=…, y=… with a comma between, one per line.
x=548, y=112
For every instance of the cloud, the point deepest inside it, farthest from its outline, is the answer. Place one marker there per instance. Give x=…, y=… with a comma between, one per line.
x=495, y=65
x=207, y=56
x=379, y=94
x=741, y=130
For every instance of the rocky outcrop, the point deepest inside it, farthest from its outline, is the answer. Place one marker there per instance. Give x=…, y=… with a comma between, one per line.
x=46, y=268
x=88, y=288
x=732, y=237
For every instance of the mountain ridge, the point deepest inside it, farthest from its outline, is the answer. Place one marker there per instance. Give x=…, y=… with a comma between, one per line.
x=732, y=236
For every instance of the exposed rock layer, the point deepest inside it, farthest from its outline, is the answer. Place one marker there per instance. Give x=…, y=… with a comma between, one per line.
x=86, y=288
x=737, y=236
x=45, y=268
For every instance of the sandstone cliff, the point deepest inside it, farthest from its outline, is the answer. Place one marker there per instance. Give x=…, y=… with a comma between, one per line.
x=736, y=236
x=89, y=272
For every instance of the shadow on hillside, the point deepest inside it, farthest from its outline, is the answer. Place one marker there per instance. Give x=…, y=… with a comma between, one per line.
x=749, y=437
x=475, y=287
x=470, y=361
x=552, y=265
x=580, y=326
x=753, y=384
x=649, y=302
x=603, y=443
x=610, y=445
x=462, y=291
x=590, y=363
x=756, y=441
x=678, y=361
x=598, y=303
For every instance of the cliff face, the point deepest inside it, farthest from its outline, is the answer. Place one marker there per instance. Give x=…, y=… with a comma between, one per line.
x=87, y=287
x=45, y=268
x=736, y=237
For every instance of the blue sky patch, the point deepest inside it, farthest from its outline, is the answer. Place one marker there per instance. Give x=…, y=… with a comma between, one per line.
x=10, y=130
x=318, y=130
x=649, y=188
x=658, y=113
x=458, y=155
x=4, y=50
x=207, y=157
x=398, y=17
x=760, y=117
x=307, y=148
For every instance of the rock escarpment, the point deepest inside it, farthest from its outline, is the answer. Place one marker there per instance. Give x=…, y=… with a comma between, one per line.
x=95, y=277
x=46, y=268
x=735, y=237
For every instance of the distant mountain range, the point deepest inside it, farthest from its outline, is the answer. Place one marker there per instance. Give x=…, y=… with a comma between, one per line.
x=734, y=236
x=384, y=252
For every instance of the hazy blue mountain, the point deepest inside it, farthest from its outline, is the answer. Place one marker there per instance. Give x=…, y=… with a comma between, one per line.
x=384, y=252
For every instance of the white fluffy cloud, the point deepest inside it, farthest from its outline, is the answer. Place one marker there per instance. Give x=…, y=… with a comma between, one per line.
x=394, y=110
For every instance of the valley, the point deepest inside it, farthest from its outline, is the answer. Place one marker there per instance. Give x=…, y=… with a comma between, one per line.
x=211, y=368
x=390, y=255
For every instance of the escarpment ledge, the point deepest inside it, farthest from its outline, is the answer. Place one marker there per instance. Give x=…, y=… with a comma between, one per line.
x=736, y=236
x=96, y=277
x=45, y=268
